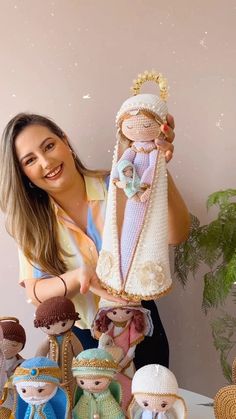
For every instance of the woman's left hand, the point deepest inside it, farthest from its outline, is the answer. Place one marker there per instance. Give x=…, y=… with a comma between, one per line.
x=165, y=144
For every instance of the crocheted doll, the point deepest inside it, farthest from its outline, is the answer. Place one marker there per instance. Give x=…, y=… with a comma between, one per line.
x=3, y=375
x=4, y=411
x=37, y=383
x=134, y=260
x=155, y=395
x=56, y=317
x=126, y=326
x=99, y=395
x=128, y=179
x=14, y=339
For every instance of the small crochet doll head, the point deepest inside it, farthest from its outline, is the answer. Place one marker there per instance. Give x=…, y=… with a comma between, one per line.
x=56, y=315
x=94, y=369
x=14, y=337
x=140, y=116
x=37, y=382
x=155, y=389
x=120, y=315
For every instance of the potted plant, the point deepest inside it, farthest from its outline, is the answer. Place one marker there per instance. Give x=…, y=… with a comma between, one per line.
x=214, y=245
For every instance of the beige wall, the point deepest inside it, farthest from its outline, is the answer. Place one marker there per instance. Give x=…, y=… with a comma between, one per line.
x=53, y=53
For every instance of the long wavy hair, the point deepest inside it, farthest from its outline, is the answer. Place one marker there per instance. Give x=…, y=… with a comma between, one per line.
x=30, y=218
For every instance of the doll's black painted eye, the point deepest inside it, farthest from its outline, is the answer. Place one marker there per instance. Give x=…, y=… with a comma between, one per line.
x=128, y=311
x=114, y=312
x=97, y=383
x=164, y=404
x=48, y=327
x=40, y=390
x=145, y=404
x=146, y=125
x=82, y=382
x=23, y=390
x=63, y=324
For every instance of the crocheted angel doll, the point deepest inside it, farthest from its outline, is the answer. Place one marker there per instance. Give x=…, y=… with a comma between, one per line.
x=155, y=395
x=39, y=394
x=14, y=339
x=98, y=395
x=56, y=317
x=134, y=260
x=126, y=326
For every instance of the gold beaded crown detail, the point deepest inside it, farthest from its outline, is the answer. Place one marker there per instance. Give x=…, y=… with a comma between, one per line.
x=154, y=104
x=151, y=76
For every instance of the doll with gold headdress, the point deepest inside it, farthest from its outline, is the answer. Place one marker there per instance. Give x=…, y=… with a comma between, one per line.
x=39, y=394
x=98, y=395
x=134, y=260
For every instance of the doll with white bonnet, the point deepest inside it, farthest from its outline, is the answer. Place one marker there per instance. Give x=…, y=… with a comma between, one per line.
x=134, y=259
x=56, y=317
x=98, y=395
x=155, y=395
x=39, y=394
x=126, y=326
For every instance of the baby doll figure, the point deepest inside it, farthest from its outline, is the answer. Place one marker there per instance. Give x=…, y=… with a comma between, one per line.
x=129, y=180
x=99, y=396
x=127, y=326
x=155, y=395
x=13, y=342
x=37, y=383
x=56, y=317
x=134, y=260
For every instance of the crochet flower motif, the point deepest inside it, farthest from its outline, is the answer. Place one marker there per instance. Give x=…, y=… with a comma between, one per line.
x=104, y=268
x=151, y=275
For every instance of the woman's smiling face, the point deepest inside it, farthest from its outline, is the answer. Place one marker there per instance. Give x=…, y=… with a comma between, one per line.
x=45, y=158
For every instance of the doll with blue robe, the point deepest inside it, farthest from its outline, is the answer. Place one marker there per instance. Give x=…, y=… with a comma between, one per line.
x=39, y=394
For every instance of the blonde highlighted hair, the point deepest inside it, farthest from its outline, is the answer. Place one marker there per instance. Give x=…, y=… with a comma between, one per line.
x=30, y=218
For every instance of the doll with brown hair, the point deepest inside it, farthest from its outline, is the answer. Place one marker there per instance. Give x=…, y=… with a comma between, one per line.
x=14, y=339
x=13, y=342
x=126, y=326
x=56, y=317
x=134, y=260
x=3, y=375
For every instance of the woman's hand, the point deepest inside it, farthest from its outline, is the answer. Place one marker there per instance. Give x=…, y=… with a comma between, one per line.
x=89, y=281
x=165, y=144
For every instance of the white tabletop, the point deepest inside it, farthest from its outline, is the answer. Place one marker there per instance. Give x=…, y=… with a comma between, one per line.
x=197, y=405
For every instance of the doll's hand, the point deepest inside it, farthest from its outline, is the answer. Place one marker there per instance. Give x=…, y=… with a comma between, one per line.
x=120, y=184
x=164, y=143
x=145, y=195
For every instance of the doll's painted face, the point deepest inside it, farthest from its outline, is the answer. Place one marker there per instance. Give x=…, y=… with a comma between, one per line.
x=11, y=348
x=93, y=385
x=141, y=128
x=128, y=171
x=58, y=328
x=154, y=403
x=120, y=314
x=36, y=393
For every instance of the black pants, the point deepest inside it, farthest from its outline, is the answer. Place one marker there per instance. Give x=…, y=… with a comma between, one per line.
x=152, y=350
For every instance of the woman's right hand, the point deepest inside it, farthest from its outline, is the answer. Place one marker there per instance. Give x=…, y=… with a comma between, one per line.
x=89, y=281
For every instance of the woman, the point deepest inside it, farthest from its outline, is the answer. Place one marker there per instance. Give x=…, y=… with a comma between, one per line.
x=55, y=211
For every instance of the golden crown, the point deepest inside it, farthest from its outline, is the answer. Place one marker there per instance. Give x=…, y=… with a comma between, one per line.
x=151, y=76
